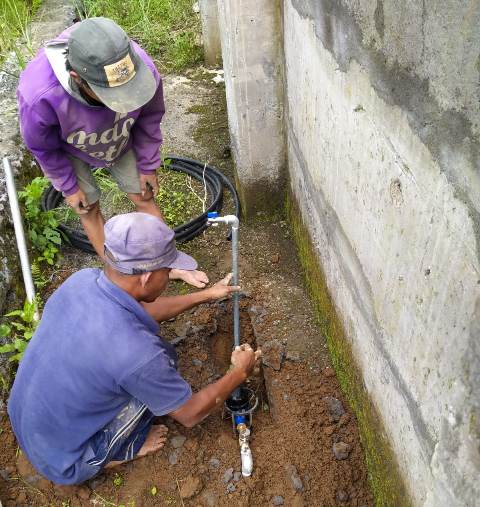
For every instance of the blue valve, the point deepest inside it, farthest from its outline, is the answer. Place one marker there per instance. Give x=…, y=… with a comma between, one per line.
x=212, y=214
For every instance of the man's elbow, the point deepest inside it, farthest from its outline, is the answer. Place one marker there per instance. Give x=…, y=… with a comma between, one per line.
x=187, y=418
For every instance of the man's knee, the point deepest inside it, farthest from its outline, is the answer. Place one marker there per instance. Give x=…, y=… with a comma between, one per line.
x=92, y=211
x=143, y=203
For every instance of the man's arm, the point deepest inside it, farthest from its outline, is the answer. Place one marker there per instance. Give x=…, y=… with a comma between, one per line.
x=167, y=307
x=201, y=404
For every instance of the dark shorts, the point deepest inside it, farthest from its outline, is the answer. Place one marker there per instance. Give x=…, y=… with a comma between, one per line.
x=120, y=440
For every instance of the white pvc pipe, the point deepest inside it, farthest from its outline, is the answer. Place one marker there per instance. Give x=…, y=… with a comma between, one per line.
x=19, y=233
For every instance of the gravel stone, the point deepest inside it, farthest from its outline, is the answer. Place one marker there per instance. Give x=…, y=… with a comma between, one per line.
x=237, y=476
x=342, y=496
x=228, y=475
x=335, y=407
x=214, y=463
x=293, y=477
x=231, y=488
x=178, y=441
x=341, y=450
x=173, y=457
x=272, y=354
x=278, y=500
x=197, y=362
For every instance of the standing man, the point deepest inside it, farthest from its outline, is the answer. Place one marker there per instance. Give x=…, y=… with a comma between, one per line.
x=95, y=372
x=93, y=98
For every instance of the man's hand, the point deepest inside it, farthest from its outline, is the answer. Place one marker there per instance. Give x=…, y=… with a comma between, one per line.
x=78, y=201
x=196, y=278
x=221, y=289
x=244, y=358
x=149, y=184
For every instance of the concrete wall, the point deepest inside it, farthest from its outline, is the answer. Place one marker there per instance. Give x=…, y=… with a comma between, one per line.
x=383, y=144
x=252, y=58
x=212, y=46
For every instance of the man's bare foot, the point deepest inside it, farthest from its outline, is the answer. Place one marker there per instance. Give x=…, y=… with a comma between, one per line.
x=156, y=438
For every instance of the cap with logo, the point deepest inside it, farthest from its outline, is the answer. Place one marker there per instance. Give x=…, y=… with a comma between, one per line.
x=101, y=53
x=137, y=243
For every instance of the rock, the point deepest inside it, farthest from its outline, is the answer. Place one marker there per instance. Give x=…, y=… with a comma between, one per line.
x=231, y=488
x=341, y=450
x=342, y=496
x=178, y=441
x=209, y=499
x=335, y=407
x=272, y=354
x=197, y=362
x=228, y=475
x=237, y=476
x=278, y=500
x=191, y=486
x=293, y=357
x=293, y=477
x=4, y=474
x=173, y=456
x=275, y=258
x=214, y=463
x=328, y=372
x=182, y=329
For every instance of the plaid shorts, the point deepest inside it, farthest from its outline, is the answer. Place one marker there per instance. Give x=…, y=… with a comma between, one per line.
x=120, y=440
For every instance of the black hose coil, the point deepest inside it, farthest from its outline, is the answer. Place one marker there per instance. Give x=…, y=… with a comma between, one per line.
x=215, y=181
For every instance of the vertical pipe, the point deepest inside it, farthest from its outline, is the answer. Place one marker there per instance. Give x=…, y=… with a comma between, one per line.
x=19, y=232
x=236, y=306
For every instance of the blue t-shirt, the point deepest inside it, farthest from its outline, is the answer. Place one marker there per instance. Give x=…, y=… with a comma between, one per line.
x=95, y=349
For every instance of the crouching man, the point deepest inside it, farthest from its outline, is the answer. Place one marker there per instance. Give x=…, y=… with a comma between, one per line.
x=96, y=373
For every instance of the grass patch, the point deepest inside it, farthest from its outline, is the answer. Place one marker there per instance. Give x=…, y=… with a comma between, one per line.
x=180, y=198
x=168, y=30
x=15, y=18
x=384, y=475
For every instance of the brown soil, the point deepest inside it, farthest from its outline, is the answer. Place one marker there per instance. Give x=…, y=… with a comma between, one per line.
x=300, y=420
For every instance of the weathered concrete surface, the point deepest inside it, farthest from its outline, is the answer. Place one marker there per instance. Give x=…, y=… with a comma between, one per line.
x=383, y=144
x=253, y=64
x=51, y=19
x=212, y=46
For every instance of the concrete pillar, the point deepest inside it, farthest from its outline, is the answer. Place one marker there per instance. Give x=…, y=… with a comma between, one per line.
x=251, y=37
x=210, y=31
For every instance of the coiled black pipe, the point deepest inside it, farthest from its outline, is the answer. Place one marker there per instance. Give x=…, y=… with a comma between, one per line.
x=215, y=182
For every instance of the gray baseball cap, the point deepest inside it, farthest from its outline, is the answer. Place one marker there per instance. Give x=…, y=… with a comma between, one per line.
x=137, y=243
x=101, y=53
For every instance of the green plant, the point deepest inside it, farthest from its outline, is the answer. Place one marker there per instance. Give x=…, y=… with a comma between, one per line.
x=19, y=329
x=42, y=225
x=15, y=19
x=117, y=480
x=167, y=29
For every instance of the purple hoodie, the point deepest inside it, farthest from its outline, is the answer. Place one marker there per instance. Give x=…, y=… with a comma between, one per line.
x=55, y=121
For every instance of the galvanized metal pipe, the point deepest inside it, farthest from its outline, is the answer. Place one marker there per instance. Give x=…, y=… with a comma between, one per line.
x=19, y=233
